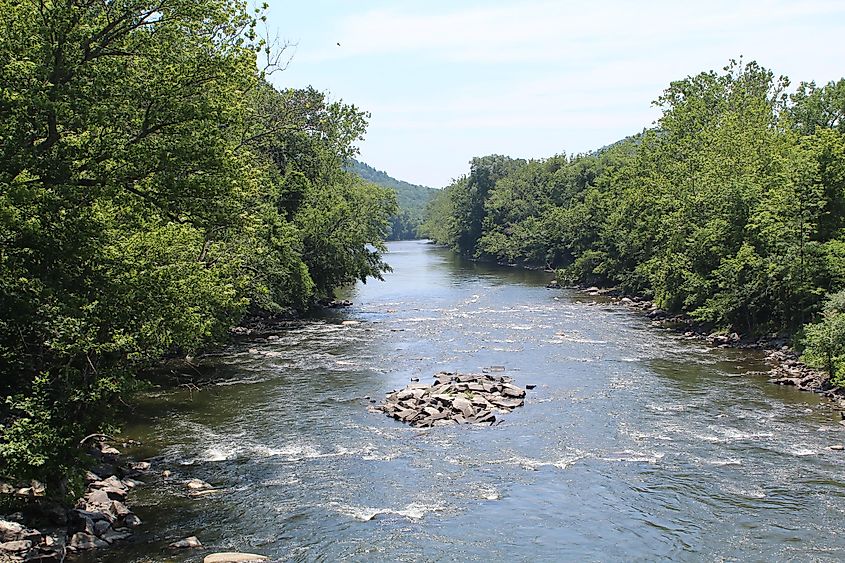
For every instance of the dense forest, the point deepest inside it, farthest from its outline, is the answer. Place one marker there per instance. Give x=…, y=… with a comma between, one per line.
x=412, y=200
x=154, y=190
x=731, y=209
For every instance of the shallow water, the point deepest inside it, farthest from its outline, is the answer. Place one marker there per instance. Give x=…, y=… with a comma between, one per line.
x=635, y=445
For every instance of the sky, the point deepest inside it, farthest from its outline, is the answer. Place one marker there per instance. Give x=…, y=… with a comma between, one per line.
x=445, y=81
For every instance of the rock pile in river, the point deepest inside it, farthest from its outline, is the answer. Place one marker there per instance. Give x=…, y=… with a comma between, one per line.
x=454, y=399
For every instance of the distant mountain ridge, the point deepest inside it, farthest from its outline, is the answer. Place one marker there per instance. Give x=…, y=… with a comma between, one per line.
x=412, y=199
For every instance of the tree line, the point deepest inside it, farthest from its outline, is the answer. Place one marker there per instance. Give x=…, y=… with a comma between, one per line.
x=730, y=209
x=411, y=198
x=154, y=190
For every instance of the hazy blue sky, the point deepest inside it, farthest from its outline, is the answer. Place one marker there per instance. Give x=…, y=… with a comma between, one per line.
x=446, y=81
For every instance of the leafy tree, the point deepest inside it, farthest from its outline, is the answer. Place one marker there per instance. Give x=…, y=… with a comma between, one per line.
x=824, y=341
x=153, y=190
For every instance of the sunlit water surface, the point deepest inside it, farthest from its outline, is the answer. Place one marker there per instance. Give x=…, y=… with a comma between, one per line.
x=635, y=445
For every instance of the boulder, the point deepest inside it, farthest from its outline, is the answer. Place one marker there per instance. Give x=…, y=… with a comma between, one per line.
x=15, y=546
x=198, y=485
x=186, y=543
x=101, y=527
x=115, y=535
x=119, y=509
x=98, y=497
x=85, y=541
x=233, y=557
x=11, y=531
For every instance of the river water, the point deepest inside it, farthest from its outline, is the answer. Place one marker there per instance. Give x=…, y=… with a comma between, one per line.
x=636, y=444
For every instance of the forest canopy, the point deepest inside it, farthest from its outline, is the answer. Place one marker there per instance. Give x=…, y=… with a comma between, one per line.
x=731, y=209
x=411, y=198
x=154, y=190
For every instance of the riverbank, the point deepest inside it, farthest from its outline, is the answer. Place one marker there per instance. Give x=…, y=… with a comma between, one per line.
x=46, y=530
x=786, y=366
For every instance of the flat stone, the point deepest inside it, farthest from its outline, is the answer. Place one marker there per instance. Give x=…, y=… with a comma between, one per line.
x=116, y=535
x=187, y=543
x=110, y=451
x=140, y=465
x=508, y=403
x=115, y=493
x=198, y=484
x=10, y=531
x=84, y=540
x=233, y=557
x=119, y=509
x=98, y=497
x=512, y=390
x=204, y=493
x=463, y=405
x=403, y=395
x=406, y=414
x=15, y=546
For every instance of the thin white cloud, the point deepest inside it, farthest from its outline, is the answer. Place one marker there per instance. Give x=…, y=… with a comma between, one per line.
x=560, y=31
x=535, y=78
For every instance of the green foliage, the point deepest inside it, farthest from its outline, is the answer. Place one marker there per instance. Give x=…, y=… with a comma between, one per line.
x=824, y=341
x=730, y=209
x=412, y=200
x=153, y=190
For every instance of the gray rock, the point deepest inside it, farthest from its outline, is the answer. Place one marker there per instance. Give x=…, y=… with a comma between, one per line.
x=186, y=543
x=463, y=405
x=132, y=521
x=98, y=497
x=115, y=535
x=101, y=527
x=85, y=541
x=119, y=509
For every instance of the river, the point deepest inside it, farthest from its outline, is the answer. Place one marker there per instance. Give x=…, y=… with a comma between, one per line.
x=636, y=444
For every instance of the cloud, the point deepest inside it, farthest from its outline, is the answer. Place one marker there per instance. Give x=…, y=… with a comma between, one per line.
x=558, y=31
x=450, y=80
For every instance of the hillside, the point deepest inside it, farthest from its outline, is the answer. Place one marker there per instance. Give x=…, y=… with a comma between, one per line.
x=412, y=199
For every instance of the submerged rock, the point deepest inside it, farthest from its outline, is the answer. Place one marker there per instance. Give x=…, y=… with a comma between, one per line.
x=187, y=543
x=454, y=399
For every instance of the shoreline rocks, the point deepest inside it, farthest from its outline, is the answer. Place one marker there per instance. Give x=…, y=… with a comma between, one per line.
x=453, y=399
x=99, y=519
x=785, y=366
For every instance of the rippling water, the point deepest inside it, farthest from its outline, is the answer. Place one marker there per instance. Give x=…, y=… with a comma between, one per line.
x=635, y=445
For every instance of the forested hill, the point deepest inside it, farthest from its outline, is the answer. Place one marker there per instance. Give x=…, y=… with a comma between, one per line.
x=731, y=209
x=412, y=199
